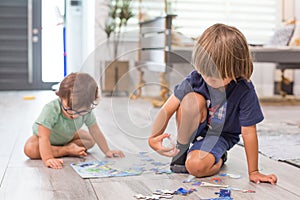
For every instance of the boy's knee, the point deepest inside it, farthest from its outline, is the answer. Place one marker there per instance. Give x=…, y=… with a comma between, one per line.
x=30, y=152
x=89, y=143
x=31, y=148
x=194, y=104
x=26, y=151
x=197, y=167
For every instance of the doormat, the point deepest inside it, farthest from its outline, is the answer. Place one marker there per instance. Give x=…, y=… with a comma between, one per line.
x=279, y=141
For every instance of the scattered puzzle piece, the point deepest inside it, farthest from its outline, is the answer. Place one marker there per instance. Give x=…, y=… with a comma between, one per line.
x=224, y=193
x=219, y=198
x=242, y=190
x=197, y=183
x=216, y=179
x=184, y=192
x=163, y=171
x=206, y=184
x=159, y=163
x=234, y=176
x=147, y=159
x=139, y=196
x=165, y=194
x=189, y=179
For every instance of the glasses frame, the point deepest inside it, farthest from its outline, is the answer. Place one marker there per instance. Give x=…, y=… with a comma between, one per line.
x=70, y=111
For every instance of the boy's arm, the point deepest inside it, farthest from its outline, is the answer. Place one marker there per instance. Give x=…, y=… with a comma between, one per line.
x=251, y=147
x=101, y=142
x=45, y=148
x=159, y=126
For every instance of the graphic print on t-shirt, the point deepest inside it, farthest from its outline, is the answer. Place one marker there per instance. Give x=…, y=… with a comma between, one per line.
x=216, y=116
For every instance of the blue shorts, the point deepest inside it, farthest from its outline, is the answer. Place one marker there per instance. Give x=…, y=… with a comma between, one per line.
x=215, y=145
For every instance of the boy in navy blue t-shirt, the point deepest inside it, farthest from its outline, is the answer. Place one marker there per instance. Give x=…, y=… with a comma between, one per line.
x=213, y=105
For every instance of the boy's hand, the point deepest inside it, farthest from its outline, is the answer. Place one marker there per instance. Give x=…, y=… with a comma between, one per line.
x=114, y=153
x=54, y=163
x=258, y=177
x=156, y=144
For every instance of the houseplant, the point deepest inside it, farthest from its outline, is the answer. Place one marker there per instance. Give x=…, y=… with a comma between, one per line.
x=119, y=12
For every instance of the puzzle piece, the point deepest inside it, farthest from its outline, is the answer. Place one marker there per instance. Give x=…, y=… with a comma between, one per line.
x=197, y=183
x=139, y=196
x=224, y=193
x=242, y=190
x=154, y=196
x=163, y=192
x=184, y=192
x=189, y=179
x=159, y=163
x=234, y=176
x=206, y=184
x=163, y=171
x=219, y=198
x=216, y=179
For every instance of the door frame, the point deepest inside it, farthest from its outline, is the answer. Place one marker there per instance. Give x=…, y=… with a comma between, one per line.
x=34, y=52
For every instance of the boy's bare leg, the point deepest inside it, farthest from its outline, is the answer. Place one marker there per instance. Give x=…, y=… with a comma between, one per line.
x=77, y=147
x=83, y=139
x=190, y=114
x=200, y=163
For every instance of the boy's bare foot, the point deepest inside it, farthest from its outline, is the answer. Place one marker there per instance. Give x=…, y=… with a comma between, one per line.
x=75, y=150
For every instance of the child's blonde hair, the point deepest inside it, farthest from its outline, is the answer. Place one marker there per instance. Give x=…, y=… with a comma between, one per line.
x=80, y=90
x=222, y=51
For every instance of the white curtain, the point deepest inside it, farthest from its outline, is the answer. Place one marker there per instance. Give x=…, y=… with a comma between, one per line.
x=257, y=19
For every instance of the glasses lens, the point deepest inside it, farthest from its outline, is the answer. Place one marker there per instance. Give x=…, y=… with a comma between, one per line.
x=71, y=112
x=83, y=113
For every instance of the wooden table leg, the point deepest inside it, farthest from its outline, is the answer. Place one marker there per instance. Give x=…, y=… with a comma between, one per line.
x=138, y=91
x=163, y=91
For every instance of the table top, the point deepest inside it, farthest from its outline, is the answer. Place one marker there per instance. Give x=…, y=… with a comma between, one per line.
x=280, y=55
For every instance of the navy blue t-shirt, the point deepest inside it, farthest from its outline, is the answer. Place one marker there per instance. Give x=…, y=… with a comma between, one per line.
x=227, y=111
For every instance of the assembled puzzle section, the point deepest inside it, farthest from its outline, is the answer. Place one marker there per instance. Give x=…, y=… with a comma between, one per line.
x=102, y=169
x=128, y=166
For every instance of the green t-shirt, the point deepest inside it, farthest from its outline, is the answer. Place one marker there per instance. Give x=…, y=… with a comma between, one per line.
x=62, y=128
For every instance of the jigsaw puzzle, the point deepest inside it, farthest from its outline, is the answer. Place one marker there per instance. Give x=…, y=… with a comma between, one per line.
x=138, y=164
x=101, y=169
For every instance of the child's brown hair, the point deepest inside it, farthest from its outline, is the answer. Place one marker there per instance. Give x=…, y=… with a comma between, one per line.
x=80, y=90
x=222, y=51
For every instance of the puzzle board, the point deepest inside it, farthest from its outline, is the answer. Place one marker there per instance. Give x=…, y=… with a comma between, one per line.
x=135, y=165
x=100, y=169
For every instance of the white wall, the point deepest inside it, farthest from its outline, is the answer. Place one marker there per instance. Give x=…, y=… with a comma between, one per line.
x=297, y=9
x=74, y=37
x=88, y=37
x=103, y=51
x=80, y=28
x=288, y=9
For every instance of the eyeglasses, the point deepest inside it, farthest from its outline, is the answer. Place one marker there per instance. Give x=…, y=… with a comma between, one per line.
x=70, y=111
